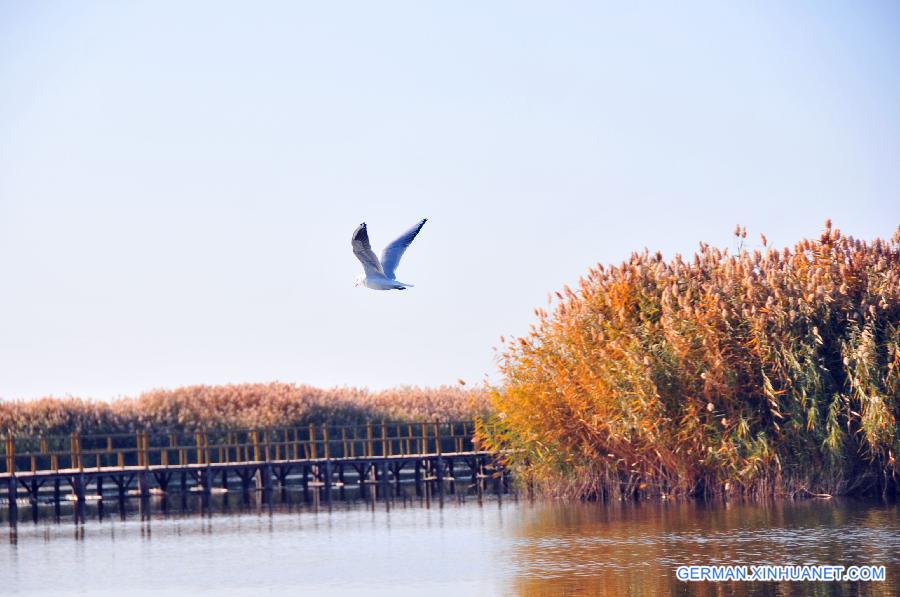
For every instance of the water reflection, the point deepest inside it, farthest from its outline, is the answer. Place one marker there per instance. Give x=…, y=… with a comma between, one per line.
x=633, y=549
x=461, y=543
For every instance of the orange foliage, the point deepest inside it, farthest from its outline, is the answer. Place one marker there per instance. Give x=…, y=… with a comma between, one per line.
x=758, y=372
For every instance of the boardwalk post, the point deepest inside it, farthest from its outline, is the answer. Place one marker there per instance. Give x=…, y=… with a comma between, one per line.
x=10, y=454
x=198, y=443
x=204, y=480
x=78, y=488
x=33, y=488
x=11, y=492
x=327, y=479
x=173, y=443
x=144, y=484
x=439, y=473
x=418, y=477
x=383, y=485
x=264, y=472
x=76, y=452
x=121, y=487
x=451, y=477
x=362, y=470
x=56, y=498
x=144, y=475
x=263, y=477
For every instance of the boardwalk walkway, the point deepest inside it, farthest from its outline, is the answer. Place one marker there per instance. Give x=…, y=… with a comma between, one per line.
x=317, y=458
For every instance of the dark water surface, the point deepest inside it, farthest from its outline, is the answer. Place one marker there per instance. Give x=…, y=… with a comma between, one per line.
x=413, y=547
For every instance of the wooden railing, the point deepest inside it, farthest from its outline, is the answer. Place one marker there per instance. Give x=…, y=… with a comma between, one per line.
x=19, y=453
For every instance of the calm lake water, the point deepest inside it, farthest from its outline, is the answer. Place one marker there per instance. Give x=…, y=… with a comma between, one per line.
x=410, y=547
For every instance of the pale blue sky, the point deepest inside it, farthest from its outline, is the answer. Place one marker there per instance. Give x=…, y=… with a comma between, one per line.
x=179, y=180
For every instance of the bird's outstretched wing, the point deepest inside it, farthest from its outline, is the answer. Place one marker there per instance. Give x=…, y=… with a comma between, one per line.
x=363, y=251
x=390, y=258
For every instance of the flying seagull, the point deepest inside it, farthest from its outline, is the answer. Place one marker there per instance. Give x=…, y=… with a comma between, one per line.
x=380, y=275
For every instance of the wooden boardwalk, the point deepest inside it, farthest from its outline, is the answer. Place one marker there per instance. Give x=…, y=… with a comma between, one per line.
x=374, y=458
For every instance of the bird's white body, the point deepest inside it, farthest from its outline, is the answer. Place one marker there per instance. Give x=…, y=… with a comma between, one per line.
x=380, y=283
x=380, y=274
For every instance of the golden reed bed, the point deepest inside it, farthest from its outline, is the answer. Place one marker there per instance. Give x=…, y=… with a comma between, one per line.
x=239, y=406
x=756, y=372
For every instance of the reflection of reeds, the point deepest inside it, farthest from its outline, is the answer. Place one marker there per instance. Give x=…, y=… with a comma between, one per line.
x=758, y=373
x=245, y=405
x=633, y=549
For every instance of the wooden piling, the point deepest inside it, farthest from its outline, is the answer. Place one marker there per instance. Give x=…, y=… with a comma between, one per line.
x=12, y=496
x=439, y=474
x=383, y=479
x=78, y=489
x=144, y=484
x=33, y=498
x=418, y=477
x=449, y=474
x=56, y=498
x=198, y=447
x=76, y=451
x=263, y=478
x=327, y=480
x=10, y=455
x=122, y=483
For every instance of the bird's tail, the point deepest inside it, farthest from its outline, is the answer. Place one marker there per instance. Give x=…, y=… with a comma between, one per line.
x=403, y=285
